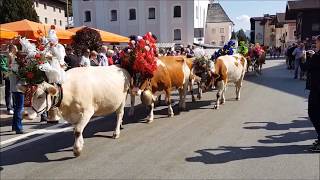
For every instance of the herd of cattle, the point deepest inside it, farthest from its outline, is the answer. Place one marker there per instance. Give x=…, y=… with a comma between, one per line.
x=100, y=91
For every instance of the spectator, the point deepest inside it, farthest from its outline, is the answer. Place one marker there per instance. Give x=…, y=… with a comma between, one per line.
x=71, y=59
x=110, y=55
x=18, y=97
x=313, y=84
x=85, y=61
x=94, y=58
x=298, y=53
x=4, y=62
x=290, y=56
x=102, y=58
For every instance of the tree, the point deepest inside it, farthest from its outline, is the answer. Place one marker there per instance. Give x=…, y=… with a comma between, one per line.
x=233, y=35
x=241, y=35
x=15, y=10
x=86, y=38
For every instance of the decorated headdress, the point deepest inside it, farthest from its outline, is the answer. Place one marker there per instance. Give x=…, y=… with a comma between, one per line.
x=140, y=56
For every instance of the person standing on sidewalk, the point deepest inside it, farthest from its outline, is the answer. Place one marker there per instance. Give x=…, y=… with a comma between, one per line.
x=4, y=63
x=18, y=97
x=313, y=84
x=298, y=53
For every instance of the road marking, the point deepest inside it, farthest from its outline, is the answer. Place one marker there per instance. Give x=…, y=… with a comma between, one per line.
x=46, y=133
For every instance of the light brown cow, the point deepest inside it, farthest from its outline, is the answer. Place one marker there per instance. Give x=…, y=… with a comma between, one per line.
x=172, y=73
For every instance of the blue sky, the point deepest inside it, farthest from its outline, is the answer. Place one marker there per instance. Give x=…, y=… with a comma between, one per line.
x=240, y=11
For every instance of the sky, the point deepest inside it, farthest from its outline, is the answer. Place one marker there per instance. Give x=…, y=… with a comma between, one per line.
x=240, y=11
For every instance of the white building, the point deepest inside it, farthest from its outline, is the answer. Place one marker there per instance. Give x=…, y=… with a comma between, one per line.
x=219, y=27
x=51, y=12
x=175, y=21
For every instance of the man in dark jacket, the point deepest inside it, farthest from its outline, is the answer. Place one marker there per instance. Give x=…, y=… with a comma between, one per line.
x=71, y=59
x=313, y=84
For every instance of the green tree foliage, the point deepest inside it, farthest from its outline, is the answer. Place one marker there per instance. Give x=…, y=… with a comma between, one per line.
x=86, y=38
x=241, y=35
x=233, y=35
x=15, y=10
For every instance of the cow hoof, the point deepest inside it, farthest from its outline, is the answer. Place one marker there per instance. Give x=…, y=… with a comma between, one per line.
x=76, y=152
x=222, y=103
x=237, y=99
x=149, y=121
x=215, y=107
x=115, y=136
x=170, y=115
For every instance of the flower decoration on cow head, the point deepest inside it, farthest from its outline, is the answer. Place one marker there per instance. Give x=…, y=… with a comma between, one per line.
x=140, y=55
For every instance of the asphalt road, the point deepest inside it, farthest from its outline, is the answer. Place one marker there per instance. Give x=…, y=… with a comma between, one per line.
x=263, y=136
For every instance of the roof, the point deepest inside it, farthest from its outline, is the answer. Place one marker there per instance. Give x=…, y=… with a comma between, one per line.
x=295, y=6
x=216, y=14
x=304, y=4
x=281, y=17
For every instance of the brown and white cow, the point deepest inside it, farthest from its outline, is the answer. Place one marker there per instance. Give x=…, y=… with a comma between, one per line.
x=172, y=73
x=228, y=69
x=87, y=92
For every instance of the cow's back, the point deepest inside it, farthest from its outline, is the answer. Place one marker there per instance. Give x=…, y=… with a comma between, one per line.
x=176, y=66
x=101, y=89
x=231, y=68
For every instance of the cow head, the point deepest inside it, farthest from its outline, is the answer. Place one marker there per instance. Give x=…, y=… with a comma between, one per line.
x=206, y=73
x=38, y=98
x=139, y=83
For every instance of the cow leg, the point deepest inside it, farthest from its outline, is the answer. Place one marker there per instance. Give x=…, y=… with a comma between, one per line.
x=168, y=100
x=191, y=90
x=238, y=88
x=223, y=98
x=220, y=87
x=133, y=101
x=199, y=91
x=151, y=115
x=120, y=112
x=78, y=130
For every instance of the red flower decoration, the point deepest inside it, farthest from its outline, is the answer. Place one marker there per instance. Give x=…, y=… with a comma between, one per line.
x=41, y=47
x=29, y=75
x=37, y=56
x=40, y=62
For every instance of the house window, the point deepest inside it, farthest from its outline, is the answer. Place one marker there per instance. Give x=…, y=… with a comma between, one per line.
x=152, y=13
x=55, y=22
x=54, y=9
x=177, y=11
x=87, y=15
x=315, y=27
x=37, y=4
x=132, y=14
x=213, y=30
x=45, y=6
x=177, y=34
x=221, y=30
x=59, y=10
x=46, y=20
x=198, y=32
x=114, y=16
x=197, y=12
x=223, y=38
x=60, y=23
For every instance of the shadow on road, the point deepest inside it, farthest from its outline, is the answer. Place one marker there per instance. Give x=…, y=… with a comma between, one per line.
x=231, y=153
x=279, y=78
x=305, y=123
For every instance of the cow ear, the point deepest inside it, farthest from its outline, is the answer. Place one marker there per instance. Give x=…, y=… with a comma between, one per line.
x=21, y=88
x=53, y=91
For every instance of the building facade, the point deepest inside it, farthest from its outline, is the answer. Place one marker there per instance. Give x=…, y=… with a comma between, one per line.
x=306, y=13
x=51, y=12
x=175, y=21
x=219, y=27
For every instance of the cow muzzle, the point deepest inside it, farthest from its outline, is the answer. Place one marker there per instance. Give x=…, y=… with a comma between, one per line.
x=29, y=114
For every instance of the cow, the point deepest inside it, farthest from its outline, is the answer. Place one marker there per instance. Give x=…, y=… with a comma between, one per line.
x=228, y=69
x=87, y=92
x=172, y=73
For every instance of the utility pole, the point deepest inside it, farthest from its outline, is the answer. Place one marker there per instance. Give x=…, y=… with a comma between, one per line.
x=67, y=14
